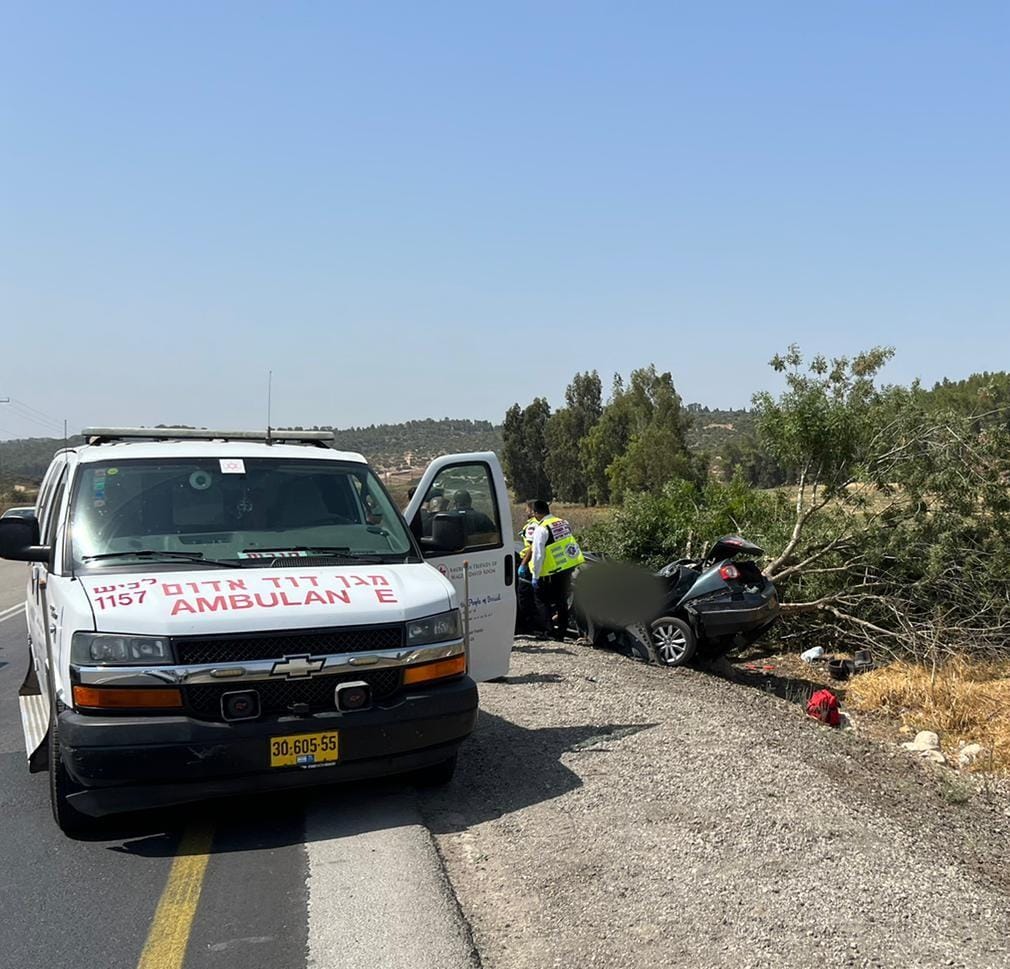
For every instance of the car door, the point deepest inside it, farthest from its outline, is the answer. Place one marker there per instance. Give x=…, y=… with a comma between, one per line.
x=38, y=572
x=473, y=487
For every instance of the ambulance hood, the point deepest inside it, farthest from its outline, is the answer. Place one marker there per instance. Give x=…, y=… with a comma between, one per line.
x=211, y=601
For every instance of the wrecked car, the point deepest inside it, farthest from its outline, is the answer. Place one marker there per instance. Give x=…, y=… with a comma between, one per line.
x=691, y=609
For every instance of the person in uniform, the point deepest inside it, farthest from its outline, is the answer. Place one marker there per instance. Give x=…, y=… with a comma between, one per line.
x=527, y=614
x=554, y=553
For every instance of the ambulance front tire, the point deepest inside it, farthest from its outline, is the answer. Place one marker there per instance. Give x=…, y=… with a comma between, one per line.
x=438, y=775
x=61, y=786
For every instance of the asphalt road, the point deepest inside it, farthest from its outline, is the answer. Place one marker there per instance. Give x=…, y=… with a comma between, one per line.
x=333, y=878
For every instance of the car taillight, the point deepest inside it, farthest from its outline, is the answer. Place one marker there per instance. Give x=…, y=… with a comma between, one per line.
x=729, y=572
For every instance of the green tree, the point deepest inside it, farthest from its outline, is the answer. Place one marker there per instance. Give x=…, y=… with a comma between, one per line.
x=565, y=433
x=524, y=449
x=640, y=440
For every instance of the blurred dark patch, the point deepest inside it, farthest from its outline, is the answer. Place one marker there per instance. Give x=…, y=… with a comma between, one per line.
x=616, y=595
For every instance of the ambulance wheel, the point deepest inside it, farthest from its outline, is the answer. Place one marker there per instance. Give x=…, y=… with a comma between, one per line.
x=437, y=775
x=61, y=786
x=674, y=641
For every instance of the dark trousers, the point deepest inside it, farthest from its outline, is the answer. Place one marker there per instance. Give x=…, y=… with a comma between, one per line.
x=552, y=603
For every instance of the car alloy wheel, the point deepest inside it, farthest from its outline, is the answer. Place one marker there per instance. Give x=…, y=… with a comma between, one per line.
x=674, y=641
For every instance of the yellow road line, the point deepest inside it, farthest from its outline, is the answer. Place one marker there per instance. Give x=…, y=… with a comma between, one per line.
x=168, y=936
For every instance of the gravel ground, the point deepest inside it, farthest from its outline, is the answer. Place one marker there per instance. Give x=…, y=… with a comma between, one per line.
x=607, y=813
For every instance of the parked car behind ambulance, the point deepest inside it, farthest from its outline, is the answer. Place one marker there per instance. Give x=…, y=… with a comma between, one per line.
x=213, y=612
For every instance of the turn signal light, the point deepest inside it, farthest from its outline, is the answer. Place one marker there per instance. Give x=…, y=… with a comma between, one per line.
x=118, y=698
x=729, y=572
x=438, y=670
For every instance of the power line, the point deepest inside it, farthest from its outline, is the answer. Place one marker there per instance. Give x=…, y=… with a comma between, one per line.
x=35, y=410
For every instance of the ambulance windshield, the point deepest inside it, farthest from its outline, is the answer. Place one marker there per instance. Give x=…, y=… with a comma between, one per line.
x=245, y=512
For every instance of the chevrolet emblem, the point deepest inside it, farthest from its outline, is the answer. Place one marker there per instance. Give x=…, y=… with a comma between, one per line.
x=297, y=667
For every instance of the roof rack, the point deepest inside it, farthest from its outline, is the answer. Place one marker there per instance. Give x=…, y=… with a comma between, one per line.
x=107, y=435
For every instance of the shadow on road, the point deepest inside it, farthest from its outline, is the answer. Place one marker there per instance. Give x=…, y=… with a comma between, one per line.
x=503, y=767
x=528, y=678
x=556, y=650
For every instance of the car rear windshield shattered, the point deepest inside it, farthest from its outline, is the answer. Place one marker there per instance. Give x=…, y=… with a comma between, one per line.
x=248, y=513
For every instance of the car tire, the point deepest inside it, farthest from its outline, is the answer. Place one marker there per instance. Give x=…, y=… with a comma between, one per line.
x=69, y=820
x=674, y=641
x=438, y=775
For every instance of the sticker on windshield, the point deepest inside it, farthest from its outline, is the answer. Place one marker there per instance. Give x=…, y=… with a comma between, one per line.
x=232, y=466
x=292, y=553
x=200, y=480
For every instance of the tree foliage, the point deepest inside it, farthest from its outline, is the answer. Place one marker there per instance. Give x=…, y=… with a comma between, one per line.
x=524, y=449
x=566, y=429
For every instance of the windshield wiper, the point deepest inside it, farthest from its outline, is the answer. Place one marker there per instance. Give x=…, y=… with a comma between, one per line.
x=340, y=552
x=153, y=553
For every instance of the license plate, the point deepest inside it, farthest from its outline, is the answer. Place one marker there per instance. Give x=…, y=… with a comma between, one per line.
x=304, y=749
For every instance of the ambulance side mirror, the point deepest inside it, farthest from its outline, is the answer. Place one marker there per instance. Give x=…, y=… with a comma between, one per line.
x=19, y=540
x=447, y=534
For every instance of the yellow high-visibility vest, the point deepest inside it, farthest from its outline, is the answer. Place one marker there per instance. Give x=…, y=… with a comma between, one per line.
x=562, y=552
x=527, y=533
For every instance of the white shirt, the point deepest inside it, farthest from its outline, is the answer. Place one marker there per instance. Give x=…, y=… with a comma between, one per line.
x=541, y=537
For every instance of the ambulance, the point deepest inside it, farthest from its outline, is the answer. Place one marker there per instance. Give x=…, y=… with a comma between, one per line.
x=214, y=613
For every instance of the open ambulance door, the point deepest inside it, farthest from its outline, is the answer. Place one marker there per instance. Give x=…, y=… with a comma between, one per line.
x=472, y=486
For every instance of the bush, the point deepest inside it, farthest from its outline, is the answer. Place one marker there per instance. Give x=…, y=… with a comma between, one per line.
x=683, y=519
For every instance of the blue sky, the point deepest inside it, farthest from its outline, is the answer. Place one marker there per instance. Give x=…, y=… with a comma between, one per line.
x=430, y=209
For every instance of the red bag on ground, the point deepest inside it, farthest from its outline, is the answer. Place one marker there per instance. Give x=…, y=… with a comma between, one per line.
x=823, y=706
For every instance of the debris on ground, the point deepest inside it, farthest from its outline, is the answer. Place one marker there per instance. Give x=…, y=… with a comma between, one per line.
x=823, y=706
x=927, y=745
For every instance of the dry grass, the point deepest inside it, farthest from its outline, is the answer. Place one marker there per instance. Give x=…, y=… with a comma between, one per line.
x=578, y=516
x=963, y=700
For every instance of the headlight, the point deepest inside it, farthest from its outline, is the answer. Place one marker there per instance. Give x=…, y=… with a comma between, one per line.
x=434, y=629
x=110, y=649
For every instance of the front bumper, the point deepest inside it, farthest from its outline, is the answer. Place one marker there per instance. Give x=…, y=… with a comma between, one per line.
x=128, y=763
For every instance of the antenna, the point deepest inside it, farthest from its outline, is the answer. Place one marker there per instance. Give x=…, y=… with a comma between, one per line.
x=270, y=384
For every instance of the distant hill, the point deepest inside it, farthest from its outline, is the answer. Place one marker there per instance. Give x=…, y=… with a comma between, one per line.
x=388, y=447
x=711, y=429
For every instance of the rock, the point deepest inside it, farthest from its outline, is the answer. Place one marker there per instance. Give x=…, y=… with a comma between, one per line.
x=845, y=722
x=934, y=756
x=924, y=740
x=969, y=754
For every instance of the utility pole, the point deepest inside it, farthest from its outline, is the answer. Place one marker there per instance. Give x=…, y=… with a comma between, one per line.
x=3, y=400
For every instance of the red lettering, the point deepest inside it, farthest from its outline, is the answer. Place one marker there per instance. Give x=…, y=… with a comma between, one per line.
x=240, y=602
x=215, y=586
x=311, y=579
x=261, y=600
x=379, y=580
x=181, y=605
x=343, y=578
x=293, y=579
x=360, y=580
x=287, y=601
x=342, y=595
x=211, y=605
x=100, y=590
x=385, y=595
x=272, y=578
x=171, y=588
x=235, y=584
x=312, y=596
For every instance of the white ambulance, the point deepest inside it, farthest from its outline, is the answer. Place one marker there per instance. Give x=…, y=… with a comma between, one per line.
x=217, y=612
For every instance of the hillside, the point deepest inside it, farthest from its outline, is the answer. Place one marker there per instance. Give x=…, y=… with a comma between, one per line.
x=711, y=429
x=388, y=446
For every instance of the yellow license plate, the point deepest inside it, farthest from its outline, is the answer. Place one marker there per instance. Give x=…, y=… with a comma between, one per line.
x=304, y=749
